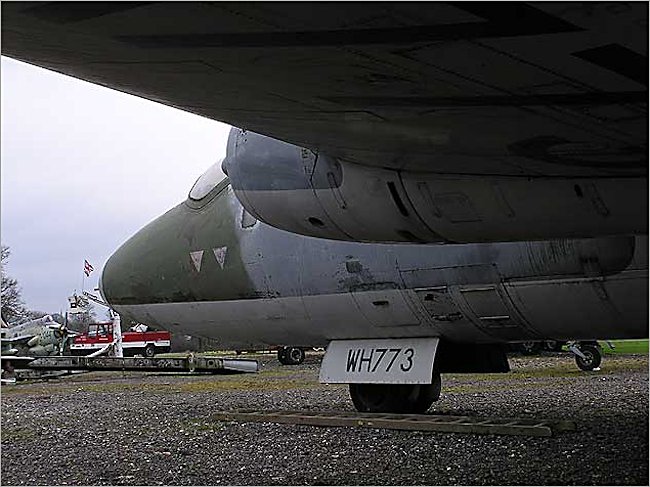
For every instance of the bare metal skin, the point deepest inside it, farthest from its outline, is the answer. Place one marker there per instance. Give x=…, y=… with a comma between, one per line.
x=279, y=288
x=209, y=267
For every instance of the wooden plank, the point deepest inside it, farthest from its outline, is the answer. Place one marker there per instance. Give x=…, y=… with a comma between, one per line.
x=407, y=422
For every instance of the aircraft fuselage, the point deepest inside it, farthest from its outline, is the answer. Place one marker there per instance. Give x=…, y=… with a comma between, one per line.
x=208, y=268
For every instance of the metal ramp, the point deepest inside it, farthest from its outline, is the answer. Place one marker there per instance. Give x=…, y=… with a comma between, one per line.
x=410, y=422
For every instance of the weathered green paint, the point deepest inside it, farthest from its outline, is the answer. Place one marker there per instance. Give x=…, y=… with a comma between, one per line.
x=154, y=266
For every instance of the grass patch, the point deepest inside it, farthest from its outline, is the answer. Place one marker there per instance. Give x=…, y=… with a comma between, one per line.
x=33, y=387
x=563, y=370
x=272, y=381
x=220, y=384
x=533, y=378
x=568, y=370
x=17, y=434
x=626, y=346
x=268, y=380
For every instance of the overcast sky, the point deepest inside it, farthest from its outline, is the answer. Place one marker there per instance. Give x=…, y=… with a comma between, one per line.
x=83, y=168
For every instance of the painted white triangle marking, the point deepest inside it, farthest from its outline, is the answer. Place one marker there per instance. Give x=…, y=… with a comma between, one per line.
x=197, y=258
x=220, y=255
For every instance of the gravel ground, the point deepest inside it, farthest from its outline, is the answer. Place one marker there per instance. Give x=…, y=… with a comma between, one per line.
x=155, y=429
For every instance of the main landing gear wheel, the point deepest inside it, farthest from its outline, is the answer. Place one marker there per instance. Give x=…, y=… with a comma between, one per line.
x=395, y=398
x=291, y=355
x=592, y=359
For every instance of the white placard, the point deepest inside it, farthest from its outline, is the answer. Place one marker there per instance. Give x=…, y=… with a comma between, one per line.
x=379, y=361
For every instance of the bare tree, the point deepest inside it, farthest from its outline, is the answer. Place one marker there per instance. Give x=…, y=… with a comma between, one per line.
x=13, y=307
x=35, y=314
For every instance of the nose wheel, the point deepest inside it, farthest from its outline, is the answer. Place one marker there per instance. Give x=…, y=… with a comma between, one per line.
x=395, y=398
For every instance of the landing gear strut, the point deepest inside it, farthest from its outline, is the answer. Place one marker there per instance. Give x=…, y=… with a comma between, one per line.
x=588, y=355
x=395, y=398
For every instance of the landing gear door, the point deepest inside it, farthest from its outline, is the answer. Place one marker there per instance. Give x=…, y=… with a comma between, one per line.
x=439, y=304
x=386, y=307
x=493, y=312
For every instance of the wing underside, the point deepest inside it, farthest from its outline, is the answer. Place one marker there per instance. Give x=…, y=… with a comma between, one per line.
x=548, y=89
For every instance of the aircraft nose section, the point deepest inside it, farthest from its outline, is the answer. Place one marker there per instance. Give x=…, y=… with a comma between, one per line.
x=114, y=292
x=127, y=275
x=113, y=281
x=100, y=285
x=184, y=256
x=142, y=269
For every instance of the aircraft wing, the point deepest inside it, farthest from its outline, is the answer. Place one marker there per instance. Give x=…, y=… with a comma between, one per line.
x=9, y=345
x=477, y=88
x=20, y=340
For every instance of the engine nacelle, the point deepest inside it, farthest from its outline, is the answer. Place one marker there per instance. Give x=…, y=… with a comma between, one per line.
x=297, y=190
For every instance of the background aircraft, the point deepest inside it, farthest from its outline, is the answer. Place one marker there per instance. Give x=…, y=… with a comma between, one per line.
x=415, y=123
x=42, y=336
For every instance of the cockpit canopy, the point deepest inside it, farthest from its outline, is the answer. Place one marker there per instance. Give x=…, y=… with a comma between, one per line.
x=207, y=182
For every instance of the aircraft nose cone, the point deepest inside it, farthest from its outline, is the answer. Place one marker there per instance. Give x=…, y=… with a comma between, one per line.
x=183, y=256
x=123, y=278
x=153, y=266
x=110, y=285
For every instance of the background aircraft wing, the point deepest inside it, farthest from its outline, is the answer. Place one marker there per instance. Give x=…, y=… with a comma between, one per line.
x=478, y=88
x=19, y=340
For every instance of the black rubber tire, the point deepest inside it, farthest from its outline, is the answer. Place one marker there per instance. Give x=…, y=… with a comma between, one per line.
x=593, y=360
x=282, y=352
x=293, y=356
x=149, y=351
x=428, y=395
x=395, y=398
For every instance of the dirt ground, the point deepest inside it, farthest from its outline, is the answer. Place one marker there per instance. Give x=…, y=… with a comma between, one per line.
x=113, y=428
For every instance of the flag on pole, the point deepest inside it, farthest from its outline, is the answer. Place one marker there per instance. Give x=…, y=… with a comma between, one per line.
x=88, y=268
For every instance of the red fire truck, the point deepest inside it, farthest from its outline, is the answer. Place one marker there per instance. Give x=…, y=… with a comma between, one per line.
x=146, y=343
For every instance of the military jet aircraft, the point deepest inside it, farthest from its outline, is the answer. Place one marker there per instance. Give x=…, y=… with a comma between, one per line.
x=412, y=185
x=42, y=336
x=211, y=268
